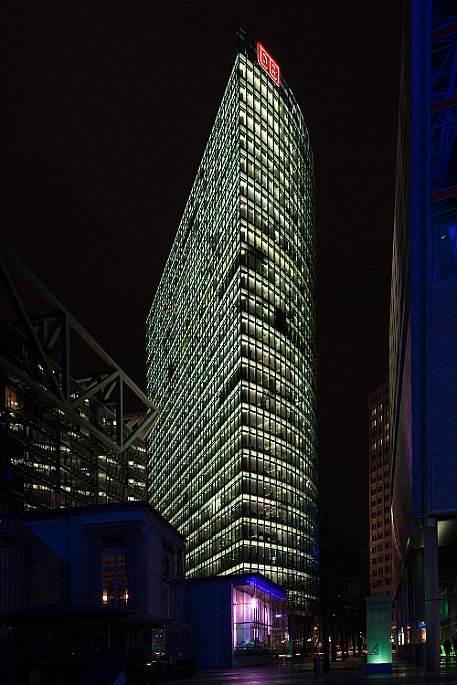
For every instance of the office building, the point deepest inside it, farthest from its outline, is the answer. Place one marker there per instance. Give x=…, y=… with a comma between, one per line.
x=231, y=346
x=379, y=498
x=423, y=335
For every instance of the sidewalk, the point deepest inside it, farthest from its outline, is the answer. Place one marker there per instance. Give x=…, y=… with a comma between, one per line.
x=401, y=670
x=352, y=663
x=447, y=672
x=351, y=671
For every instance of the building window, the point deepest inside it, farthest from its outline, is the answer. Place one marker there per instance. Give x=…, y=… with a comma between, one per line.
x=12, y=400
x=114, y=569
x=259, y=622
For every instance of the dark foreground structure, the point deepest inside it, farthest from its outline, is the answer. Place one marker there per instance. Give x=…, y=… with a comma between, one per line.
x=100, y=589
x=91, y=577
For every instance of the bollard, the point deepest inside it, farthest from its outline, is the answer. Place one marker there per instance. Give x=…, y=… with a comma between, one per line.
x=317, y=665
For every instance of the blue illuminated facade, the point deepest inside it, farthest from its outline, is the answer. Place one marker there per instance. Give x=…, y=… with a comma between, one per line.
x=423, y=336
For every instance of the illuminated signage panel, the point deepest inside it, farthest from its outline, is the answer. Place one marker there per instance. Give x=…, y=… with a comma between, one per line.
x=267, y=62
x=379, y=645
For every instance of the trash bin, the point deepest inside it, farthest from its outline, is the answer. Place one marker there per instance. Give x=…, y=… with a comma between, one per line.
x=317, y=664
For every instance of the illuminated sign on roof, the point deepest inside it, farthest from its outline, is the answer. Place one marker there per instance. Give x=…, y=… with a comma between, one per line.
x=267, y=62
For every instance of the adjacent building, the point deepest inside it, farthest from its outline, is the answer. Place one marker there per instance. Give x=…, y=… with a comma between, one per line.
x=86, y=564
x=78, y=581
x=423, y=334
x=379, y=498
x=65, y=439
x=231, y=346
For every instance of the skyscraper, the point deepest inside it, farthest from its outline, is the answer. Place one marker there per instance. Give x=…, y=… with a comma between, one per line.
x=379, y=496
x=230, y=345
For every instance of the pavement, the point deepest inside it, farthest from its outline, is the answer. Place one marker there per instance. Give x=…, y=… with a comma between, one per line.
x=401, y=670
x=351, y=671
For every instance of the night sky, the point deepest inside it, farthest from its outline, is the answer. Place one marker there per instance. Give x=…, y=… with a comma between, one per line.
x=107, y=107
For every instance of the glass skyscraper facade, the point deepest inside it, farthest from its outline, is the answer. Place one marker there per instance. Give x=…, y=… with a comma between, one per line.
x=231, y=346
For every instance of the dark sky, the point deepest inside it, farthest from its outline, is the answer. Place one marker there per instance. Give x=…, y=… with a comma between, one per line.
x=107, y=106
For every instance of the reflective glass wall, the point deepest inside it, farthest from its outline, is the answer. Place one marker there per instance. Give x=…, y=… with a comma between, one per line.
x=230, y=348
x=443, y=138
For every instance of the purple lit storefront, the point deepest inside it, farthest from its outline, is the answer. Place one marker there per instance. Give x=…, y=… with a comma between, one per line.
x=237, y=620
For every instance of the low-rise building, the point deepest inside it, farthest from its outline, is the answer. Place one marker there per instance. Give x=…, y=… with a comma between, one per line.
x=237, y=620
x=117, y=574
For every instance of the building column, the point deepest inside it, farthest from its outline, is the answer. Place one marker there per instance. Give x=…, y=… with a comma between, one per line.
x=419, y=602
x=432, y=595
x=292, y=625
x=411, y=608
x=404, y=615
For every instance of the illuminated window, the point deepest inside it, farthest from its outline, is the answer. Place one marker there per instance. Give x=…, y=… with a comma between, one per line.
x=12, y=400
x=259, y=622
x=114, y=569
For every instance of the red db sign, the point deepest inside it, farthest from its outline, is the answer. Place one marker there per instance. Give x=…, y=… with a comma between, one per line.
x=267, y=62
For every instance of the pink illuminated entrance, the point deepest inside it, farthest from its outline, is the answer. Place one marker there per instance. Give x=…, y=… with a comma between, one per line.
x=259, y=620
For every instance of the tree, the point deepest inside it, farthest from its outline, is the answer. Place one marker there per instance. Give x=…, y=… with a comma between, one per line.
x=343, y=574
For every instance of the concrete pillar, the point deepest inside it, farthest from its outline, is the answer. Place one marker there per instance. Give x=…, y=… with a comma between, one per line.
x=419, y=602
x=292, y=634
x=411, y=653
x=404, y=616
x=432, y=596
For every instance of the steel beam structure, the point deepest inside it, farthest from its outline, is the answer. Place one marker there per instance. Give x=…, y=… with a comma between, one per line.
x=50, y=334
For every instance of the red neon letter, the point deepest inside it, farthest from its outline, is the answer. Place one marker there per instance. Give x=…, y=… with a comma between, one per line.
x=274, y=72
x=263, y=57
